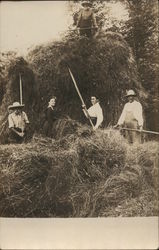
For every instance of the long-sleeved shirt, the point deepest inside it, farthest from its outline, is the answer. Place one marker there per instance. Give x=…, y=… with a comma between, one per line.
x=95, y=111
x=86, y=18
x=18, y=121
x=136, y=109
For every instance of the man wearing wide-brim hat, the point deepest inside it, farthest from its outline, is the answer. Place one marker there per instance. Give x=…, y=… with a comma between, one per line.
x=86, y=20
x=86, y=3
x=132, y=118
x=17, y=120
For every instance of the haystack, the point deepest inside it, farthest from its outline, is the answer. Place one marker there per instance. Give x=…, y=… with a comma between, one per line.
x=103, y=66
x=84, y=174
x=16, y=67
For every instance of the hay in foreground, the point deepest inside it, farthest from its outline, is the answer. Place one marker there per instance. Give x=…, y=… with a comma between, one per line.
x=81, y=175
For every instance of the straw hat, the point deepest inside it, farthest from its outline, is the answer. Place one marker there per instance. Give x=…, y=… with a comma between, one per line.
x=15, y=105
x=130, y=93
x=86, y=3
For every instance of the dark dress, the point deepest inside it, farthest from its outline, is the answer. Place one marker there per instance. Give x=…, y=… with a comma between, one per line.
x=51, y=116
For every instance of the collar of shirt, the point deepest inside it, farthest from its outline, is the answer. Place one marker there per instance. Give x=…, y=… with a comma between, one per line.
x=18, y=120
x=132, y=105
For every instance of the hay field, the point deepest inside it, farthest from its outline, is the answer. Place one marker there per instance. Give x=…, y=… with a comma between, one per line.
x=80, y=174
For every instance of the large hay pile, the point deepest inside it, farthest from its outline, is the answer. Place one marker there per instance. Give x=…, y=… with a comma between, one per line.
x=18, y=66
x=78, y=173
x=84, y=174
x=103, y=66
x=14, y=68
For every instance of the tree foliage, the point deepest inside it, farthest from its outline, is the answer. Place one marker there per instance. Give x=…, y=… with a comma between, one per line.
x=102, y=11
x=141, y=32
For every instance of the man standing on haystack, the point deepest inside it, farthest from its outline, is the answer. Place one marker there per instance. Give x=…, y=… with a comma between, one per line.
x=95, y=112
x=86, y=20
x=18, y=121
x=132, y=118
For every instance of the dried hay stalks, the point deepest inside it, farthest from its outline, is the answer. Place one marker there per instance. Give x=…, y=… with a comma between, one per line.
x=107, y=194
x=85, y=174
x=147, y=157
x=14, y=67
x=103, y=66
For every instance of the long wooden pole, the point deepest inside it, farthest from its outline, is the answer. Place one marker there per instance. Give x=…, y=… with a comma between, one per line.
x=21, y=93
x=76, y=87
x=88, y=28
x=141, y=131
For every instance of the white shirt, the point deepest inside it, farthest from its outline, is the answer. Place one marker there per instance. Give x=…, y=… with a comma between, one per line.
x=17, y=121
x=136, y=109
x=96, y=111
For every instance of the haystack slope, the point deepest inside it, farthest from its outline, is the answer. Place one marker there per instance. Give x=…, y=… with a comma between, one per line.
x=103, y=66
x=84, y=174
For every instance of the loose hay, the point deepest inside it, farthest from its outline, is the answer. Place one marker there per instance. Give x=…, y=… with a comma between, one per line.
x=84, y=174
x=104, y=66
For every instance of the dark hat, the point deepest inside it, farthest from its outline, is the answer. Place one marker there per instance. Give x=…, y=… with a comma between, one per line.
x=15, y=105
x=86, y=3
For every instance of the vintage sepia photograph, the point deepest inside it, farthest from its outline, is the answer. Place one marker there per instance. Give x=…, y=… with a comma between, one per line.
x=79, y=109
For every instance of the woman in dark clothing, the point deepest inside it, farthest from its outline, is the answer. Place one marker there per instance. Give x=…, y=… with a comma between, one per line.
x=51, y=116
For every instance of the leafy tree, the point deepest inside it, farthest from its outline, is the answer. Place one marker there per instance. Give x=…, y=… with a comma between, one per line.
x=141, y=34
x=102, y=12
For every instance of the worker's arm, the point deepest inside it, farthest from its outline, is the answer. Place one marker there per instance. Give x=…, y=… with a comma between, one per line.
x=94, y=21
x=84, y=111
x=21, y=134
x=99, y=118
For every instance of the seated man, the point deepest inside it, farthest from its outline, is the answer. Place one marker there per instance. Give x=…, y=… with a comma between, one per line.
x=17, y=120
x=95, y=112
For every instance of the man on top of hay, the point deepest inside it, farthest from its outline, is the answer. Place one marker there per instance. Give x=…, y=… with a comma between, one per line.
x=86, y=21
x=132, y=118
x=17, y=120
x=95, y=112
